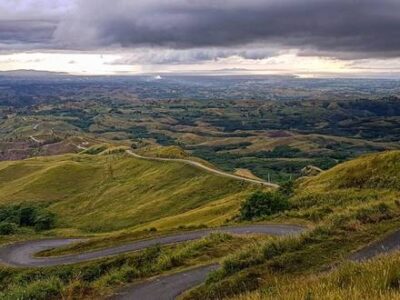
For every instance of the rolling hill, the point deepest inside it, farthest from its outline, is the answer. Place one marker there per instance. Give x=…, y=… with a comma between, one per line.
x=354, y=207
x=103, y=193
x=379, y=170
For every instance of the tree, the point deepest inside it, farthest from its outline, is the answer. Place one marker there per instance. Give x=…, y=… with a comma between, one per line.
x=27, y=216
x=7, y=228
x=262, y=204
x=287, y=188
x=45, y=221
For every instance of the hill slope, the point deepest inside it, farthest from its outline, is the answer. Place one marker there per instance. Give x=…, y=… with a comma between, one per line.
x=110, y=192
x=379, y=170
x=354, y=213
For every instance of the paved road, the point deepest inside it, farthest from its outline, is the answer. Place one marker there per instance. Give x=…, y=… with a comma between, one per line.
x=22, y=254
x=387, y=244
x=166, y=287
x=203, y=167
x=170, y=286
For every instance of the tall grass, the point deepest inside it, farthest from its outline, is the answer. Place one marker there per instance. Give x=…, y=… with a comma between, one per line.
x=98, y=278
x=377, y=279
x=314, y=250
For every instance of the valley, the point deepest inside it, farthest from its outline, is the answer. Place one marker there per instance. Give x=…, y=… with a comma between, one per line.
x=199, y=150
x=107, y=194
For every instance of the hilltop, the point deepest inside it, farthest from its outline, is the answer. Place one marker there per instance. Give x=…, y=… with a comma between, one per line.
x=103, y=193
x=380, y=170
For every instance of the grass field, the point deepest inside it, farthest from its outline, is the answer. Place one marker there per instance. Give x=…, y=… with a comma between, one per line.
x=103, y=193
x=347, y=207
x=377, y=280
x=351, y=205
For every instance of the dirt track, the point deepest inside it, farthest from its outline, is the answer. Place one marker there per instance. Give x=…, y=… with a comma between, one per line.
x=203, y=167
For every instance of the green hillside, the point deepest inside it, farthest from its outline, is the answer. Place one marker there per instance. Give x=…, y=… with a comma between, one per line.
x=360, y=183
x=348, y=207
x=101, y=193
x=367, y=172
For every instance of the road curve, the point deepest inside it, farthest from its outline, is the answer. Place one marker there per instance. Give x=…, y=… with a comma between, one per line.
x=203, y=167
x=387, y=244
x=166, y=287
x=22, y=254
x=170, y=286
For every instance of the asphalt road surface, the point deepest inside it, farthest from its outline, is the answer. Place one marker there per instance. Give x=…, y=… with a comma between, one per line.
x=387, y=244
x=165, y=287
x=169, y=286
x=22, y=254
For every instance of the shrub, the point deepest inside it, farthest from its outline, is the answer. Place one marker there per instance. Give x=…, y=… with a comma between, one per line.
x=374, y=214
x=27, y=216
x=41, y=289
x=7, y=228
x=263, y=204
x=44, y=221
x=287, y=188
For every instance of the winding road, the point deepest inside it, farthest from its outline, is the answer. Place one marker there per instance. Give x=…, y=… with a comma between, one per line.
x=203, y=167
x=22, y=254
x=387, y=244
x=168, y=286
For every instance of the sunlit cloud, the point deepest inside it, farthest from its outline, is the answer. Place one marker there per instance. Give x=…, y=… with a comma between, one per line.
x=77, y=64
x=304, y=38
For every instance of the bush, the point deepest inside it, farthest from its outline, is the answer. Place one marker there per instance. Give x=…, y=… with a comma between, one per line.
x=40, y=289
x=262, y=204
x=374, y=214
x=7, y=228
x=27, y=215
x=44, y=221
x=287, y=188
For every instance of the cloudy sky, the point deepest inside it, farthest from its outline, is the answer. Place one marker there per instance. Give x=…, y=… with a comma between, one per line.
x=347, y=38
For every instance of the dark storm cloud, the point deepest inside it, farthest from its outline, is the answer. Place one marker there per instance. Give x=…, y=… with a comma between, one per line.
x=342, y=28
x=27, y=31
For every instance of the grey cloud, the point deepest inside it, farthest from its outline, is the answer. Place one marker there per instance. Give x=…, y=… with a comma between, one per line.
x=340, y=28
x=361, y=27
x=185, y=56
x=26, y=31
x=30, y=24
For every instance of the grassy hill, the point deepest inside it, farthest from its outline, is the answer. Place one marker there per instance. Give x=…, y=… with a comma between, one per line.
x=350, y=206
x=377, y=279
x=102, y=193
x=367, y=172
x=357, y=184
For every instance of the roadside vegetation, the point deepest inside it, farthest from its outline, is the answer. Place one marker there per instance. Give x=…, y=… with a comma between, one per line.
x=345, y=219
x=15, y=217
x=376, y=280
x=93, y=280
x=261, y=204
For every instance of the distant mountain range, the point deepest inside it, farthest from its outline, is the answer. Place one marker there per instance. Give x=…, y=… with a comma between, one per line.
x=32, y=73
